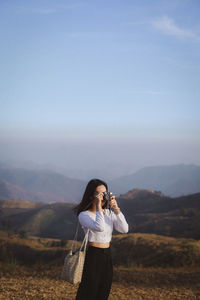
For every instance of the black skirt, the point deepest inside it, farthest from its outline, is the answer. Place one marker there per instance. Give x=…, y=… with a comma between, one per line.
x=97, y=275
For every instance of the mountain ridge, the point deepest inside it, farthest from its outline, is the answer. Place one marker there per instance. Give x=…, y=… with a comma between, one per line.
x=43, y=185
x=174, y=180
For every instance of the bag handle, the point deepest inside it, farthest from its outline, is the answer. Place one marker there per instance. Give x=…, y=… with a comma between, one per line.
x=85, y=241
x=75, y=236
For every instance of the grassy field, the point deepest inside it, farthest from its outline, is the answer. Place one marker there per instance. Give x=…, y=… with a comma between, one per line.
x=43, y=282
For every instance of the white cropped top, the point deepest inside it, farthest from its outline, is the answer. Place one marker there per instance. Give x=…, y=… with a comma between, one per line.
x=101, y=225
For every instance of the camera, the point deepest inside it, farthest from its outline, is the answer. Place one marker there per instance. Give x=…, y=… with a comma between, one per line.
x=107, y=197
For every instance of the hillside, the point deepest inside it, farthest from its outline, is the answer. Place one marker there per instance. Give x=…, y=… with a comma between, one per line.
x=45, y=220
x=146, y=211
x=39, y=185
x=151, y=250
x=175, y=180
x=152, y=212
x=146, y=250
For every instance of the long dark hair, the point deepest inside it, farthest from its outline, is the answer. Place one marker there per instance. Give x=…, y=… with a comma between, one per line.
x=86, y=202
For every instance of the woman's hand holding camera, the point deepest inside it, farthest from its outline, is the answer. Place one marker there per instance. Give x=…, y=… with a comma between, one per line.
x=98, y=197
x=114, y=205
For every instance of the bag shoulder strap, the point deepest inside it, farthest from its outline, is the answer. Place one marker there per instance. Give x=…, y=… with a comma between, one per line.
x=76, y=233
x=75, y=236
x=85, y=240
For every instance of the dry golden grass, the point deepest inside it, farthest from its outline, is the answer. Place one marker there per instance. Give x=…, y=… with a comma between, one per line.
x=33, y=242
x=40, y=282
x=150, y=250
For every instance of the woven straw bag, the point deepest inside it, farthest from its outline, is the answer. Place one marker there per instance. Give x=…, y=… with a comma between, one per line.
x=74, y=262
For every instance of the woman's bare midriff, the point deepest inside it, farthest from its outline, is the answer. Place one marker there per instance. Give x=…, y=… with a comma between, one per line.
x=99, y=245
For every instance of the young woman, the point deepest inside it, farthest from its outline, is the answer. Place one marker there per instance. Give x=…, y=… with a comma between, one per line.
x=93, y=215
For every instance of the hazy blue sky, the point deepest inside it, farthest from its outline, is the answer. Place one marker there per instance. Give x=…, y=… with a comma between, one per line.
x=83, y=83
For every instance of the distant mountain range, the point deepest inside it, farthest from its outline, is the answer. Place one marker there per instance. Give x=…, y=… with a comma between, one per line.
x=49, y=186
x=146, y=211
x=12, y=191
x=175, y=180
x=39, y=185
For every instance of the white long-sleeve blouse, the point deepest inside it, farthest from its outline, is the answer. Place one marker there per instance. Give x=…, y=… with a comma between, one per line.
x=101, y=225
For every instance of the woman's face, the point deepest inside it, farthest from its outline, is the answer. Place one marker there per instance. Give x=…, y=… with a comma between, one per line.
x=100, y=189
